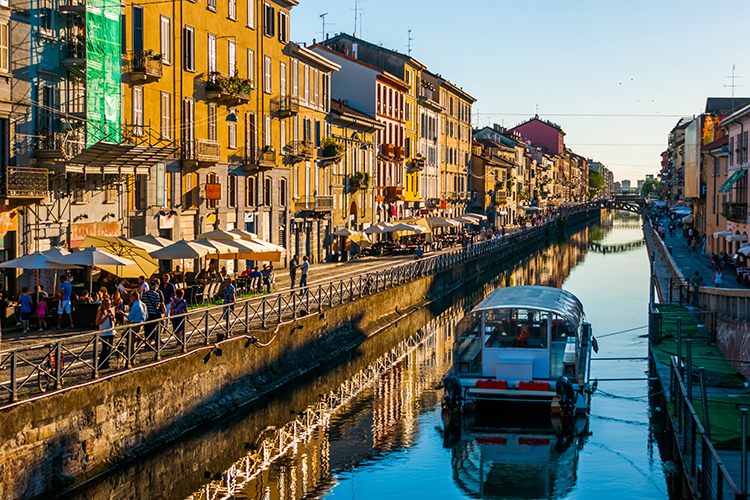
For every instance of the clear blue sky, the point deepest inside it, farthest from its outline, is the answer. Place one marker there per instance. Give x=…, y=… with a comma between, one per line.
x=658, y=58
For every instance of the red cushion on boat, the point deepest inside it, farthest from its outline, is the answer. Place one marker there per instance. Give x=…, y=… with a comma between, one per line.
x=533, y=386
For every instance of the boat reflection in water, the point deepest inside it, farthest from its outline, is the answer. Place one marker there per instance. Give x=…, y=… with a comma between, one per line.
x=520, y=464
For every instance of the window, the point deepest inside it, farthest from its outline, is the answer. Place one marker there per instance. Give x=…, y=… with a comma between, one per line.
x=232, y=10
x=165, y=39
x=232, y=132
x=212, y=122
x=269, y=20
x=295, y=78
x=211, y=4
x=251, y=66
x=325, y=103
x=232, y=58
x=295, y=181
x=189, y=36
x=161, y=184
x=211, y=53
x=267, y=74
x=267, y=192
x=110, y=193
x=731, y=151
x=190, y=188
x=307, y=83
x=188, y=124
x=282, y=79
x=251, y=13
x=232, y=188
x=250, y=135
x=316, y=87
x=282, y=192
x=282, y=124
x=138, y=110
x=45, y=15
x=249, y=191
x=283, y=27
x=137, y=28
x=267, y=130
x=166, y=115
x=4, y=48
x=317, y=133
x=744, y=146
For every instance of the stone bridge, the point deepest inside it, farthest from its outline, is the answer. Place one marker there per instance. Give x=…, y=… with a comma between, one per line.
x=632, y=204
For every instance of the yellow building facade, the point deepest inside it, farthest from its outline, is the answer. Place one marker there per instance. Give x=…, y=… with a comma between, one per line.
x=455, y=145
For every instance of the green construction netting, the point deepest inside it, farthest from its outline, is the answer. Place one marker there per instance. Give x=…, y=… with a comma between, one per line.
x=103, y=56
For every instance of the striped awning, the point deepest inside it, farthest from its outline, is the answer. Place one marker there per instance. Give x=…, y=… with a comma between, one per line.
x=732, y=180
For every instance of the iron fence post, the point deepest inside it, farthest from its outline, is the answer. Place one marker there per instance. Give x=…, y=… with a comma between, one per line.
x=263, y=313
x=351, y=288
x=129, y=354
x=247, y=316
x=205, y=328
x=279, y=308
x=704, y=403
x=320, y=299
x=13, y=376
x=58, y=364
x=679, y=346
x=360, y=286
x=689, y=368
x=157, y=341
x=97, y=338
x=341, y=292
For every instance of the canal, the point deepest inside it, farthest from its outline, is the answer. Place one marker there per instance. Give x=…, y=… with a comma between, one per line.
x=382, y=437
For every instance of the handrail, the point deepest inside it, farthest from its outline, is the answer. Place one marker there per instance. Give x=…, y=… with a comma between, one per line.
x=79, y=358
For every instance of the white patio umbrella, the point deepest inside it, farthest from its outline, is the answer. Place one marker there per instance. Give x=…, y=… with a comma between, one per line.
x=441, y=222
x=36, y=260
x=345, y=232
x=218, y=234
x=378, y=228
x=184, y=249
x=152, y=240
x=407, y=228
x=91, y=257
x=244, y=235
x=476, y=216
x=466, y=220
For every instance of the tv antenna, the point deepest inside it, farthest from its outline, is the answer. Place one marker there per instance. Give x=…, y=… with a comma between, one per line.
x=323, y=17
x=409, y=46
x=733, y=85
x=356, y=14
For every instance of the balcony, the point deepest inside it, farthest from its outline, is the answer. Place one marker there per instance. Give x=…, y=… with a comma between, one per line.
x=23, y=186
x=428, y=102
x=398, y=153
x=145, y=66
x=285, y=106
x=387, y=150
x=433, y=203
x=231, y=90
x=736, y=212
x=454, y=196
x=259, y=159
x=417, y=163
x=314, y=204
x=71, y=6
x=299, y=150
x=394, y=193
x=73, y=55
x=203, y=152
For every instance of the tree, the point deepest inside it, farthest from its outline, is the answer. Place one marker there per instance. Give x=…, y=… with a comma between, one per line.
x=596, y=182
x=650, y=187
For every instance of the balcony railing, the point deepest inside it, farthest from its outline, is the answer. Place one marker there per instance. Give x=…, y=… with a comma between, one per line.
x=259, y=158
x=24, y=182
x=299, y=149
x=220, y=87
x=417, y=163
x=394, y=193
x=398, y=152
x=145, y=65
x=735, y=212
x=74, y=52
x=202, y=151
x=386, y=150
x=455, y=196
x=285, y=106
x=314, y=204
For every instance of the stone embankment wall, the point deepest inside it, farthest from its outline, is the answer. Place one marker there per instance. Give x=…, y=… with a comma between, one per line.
x=51, y=443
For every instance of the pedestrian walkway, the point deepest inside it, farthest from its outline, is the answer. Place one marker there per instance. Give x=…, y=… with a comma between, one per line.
x=688, y=264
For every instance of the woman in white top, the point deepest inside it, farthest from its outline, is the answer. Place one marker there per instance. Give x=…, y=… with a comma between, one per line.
x=105, y=318
x=718, y=278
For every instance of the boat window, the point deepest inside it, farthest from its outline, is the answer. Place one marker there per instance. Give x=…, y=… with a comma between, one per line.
x=516, y=328
x=468, y=344
x=562, y=330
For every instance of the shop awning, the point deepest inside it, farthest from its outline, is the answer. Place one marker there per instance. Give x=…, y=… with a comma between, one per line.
x=719, y=234
x=688, y=219
x=123, y=158
x=731, y=181
x=736, y=237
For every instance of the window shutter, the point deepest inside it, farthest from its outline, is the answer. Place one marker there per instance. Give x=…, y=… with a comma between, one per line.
x=4, y=52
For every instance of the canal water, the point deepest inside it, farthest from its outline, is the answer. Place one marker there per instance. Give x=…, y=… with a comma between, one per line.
x=387, y=441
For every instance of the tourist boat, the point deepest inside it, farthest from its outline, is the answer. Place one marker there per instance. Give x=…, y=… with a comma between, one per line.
x=522, y=356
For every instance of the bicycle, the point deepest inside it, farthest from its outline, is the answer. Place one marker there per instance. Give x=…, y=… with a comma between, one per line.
x=46, y=373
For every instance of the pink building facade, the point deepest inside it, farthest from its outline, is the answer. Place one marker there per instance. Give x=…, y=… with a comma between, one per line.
x=542, y=133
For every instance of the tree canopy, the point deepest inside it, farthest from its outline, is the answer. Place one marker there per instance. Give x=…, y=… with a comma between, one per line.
x=650, y=187
x=596, y=182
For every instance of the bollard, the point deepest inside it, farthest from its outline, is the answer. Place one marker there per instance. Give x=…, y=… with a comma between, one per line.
x=669, y=249
x=689, y=368
x=743, y=456
x=704, y=401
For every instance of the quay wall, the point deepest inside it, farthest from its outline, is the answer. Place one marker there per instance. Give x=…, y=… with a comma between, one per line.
x=50, y=444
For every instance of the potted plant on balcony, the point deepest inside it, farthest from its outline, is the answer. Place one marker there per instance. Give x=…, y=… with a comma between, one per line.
x=268, y=149
x=332, y=149
x=360, y=180
x=233, y=87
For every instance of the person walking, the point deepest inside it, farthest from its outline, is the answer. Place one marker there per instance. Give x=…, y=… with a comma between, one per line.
x=230, y=295
x=105, y=319
x=167, y=290
x=293, y=265
x=304, y=268
x=155, y=307
x=718, y=277
x=66, y=288
x=696, y=282
x=178, y=307
x=138, y=312
x=41, y=311
x=25, y=301
x=703, y=248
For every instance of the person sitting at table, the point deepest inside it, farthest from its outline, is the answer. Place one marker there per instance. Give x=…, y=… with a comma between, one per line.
x=257, y=276
x=96, y=298
x=177, y=276
x=247, y=272
x=223, y=273
x=202, y=275
x=85, y=297
x=123, y=287
x=523, y=338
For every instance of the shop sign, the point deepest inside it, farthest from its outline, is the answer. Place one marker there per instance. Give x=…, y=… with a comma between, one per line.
x=108, y=229
x=8, y=221
x=394, y=210
x=211, y=219
x=443, y=204
x=213, y=191
x=80, y=231
x=166, y=221
x=249, y=216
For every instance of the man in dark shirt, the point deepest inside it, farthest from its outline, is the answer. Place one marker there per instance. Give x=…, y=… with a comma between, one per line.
x=257, y=275
x=155, y=306
x=167, y=290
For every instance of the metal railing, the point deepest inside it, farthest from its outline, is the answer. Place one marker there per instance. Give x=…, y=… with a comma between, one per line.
x=285, y=105
x=25, y=182
x=314, y=203
x=204, y=150
x=700, y=460
x=735, y=212
x=145, y=63
x=299, y=149
x=259, y=157
x=28, y=371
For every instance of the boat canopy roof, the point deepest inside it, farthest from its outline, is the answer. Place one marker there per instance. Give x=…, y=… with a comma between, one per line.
x=540, y=298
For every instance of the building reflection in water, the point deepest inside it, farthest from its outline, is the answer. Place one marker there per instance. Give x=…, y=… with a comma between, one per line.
x=384, y=415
